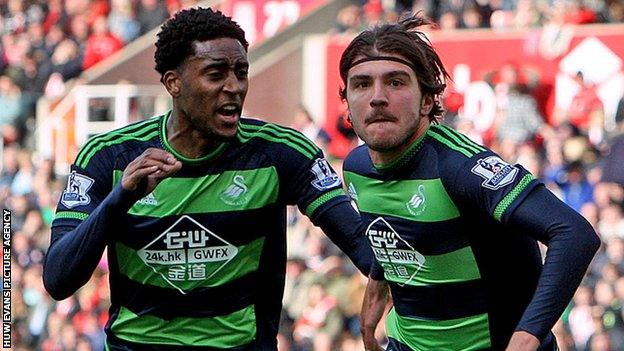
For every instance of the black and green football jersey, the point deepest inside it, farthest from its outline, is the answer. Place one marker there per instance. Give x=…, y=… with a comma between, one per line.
x=459, y=277
x=200, y=261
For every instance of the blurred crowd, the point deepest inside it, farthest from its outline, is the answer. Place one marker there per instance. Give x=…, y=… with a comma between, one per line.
x=474, y=14
x=47, y=43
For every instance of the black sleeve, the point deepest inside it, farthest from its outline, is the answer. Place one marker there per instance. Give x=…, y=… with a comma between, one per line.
x=571, y=243
x=74, y=252
x=343, y=225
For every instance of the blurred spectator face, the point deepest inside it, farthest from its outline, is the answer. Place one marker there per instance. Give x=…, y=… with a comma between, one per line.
x=615, y=250
x=501, y=20
x=83, y=344
x=600, y=342
x=100, y=26
x=449, y=20
x=616, y=11
x=590, y=212
x=349, y=17
x=54, y=36
x=149, y=4
x=15, y=6
x=610, y=273
x=35, y=32
x=295, y=267
x=316, y=293
x=583, y=296
x=69, y=337
x=619, y=288
x=603, y=294
x=509, y=74
x=80, y=28
x=64, y=52
x=471, y=18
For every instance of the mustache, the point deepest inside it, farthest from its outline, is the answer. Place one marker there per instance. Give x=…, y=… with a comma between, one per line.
x=379, y=115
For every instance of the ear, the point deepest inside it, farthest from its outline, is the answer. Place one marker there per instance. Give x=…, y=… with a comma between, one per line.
x=173, y=83
x=426, y=104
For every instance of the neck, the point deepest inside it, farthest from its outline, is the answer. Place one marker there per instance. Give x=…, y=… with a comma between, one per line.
x=388, y=156
x=187, y=140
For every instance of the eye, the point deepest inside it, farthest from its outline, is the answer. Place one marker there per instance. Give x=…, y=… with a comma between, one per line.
x=396, y=83
x=360, y=85
x=215, y=75
x=242, y=73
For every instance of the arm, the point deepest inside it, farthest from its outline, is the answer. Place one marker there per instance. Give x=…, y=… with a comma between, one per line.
x=345, y=228
x=571, y=243
x=76, y=250
x=375, y=299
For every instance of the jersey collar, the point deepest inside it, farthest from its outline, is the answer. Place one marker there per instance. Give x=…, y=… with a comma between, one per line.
x=165, y=144
x=403, y=158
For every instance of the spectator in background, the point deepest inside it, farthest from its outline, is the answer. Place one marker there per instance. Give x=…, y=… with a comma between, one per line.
x=122, y=21
x=101, y=43
x=586, y=110
x=151, y=14
x=303, y=122
x=577, y=191
x=12, y=107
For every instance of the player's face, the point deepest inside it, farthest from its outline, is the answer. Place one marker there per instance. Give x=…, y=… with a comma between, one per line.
x=387, y=108
x=213, y=85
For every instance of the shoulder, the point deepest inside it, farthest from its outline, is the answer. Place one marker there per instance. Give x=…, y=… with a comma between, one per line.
x=140, y=131
x=453, y=148
x=276, y=137
x=357, y=160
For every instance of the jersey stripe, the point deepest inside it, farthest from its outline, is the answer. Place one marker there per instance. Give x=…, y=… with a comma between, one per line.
x=244, y=136
x=511, y=196
x=142, y=135
x=418, y=200
x=295, y=135
x=455, y=139
x=461, y=138
x=71, y=215
x=445, y=140
x=235, y=329
x=131, y=264
x=453, y=267
x=440, y=302
x=130, y=129
x=235, y=192
x=470, y=333
x=323, y=199
x=288, y=137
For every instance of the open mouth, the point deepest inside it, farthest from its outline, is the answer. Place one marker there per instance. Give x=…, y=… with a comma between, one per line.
x=229, y=113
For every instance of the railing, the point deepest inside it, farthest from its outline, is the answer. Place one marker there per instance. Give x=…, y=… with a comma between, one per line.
x=65, y=125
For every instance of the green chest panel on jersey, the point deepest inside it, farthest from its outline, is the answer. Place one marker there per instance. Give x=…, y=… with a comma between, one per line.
x=227, y=191
x=420, y=200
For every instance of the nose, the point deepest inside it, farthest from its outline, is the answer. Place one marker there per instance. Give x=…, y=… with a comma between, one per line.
x=379, y=98
x=234, y=84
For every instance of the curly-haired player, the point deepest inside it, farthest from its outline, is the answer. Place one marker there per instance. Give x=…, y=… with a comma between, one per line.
x=191, y=205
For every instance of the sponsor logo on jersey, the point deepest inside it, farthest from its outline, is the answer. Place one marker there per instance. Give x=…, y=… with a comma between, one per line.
x=75, y=194
x=417, y=204
x=324, y=176
x=352, y=192
x=236, y=193
x=149, y=200
x=187, y=253
x=496, y=172
x=400, y=261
